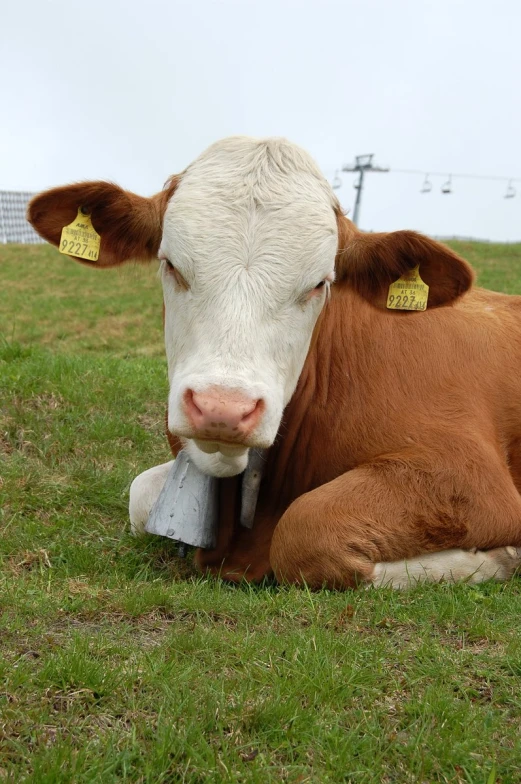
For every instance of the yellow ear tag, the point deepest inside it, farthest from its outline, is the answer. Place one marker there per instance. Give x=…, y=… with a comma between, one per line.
x=80, y=238
x=408, y=292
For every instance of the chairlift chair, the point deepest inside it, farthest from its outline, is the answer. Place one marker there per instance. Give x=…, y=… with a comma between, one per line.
x=337, y=182
x=427, y=185
x=447, y=186
x=510, y=191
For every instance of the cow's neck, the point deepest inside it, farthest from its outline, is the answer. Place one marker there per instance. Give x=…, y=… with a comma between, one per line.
x=319, y=438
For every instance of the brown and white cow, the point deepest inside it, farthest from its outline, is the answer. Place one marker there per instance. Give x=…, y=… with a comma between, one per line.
x=395, y=437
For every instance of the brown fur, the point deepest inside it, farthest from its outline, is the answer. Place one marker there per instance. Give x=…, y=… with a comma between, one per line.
x=130, y=226
x=371, y=262
x=403, y=436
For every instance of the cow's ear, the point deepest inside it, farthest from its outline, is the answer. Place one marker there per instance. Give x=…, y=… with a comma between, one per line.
x=369, y=263
x=130, y=226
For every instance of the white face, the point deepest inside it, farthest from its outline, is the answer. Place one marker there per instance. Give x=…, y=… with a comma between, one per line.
x=251, y=233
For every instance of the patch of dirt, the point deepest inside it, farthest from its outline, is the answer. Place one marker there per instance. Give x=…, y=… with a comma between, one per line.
x=151, y=422
x=28, y=561
x=477, y=645
x=6, y=447
x=47, y=402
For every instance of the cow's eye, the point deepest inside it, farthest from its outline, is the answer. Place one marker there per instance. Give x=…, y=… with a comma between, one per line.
x=171, y=270
x=317, y=290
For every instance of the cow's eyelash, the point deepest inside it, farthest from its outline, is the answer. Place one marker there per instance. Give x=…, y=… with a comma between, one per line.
x=324, y=283
x=313, y=293
x=171, y=270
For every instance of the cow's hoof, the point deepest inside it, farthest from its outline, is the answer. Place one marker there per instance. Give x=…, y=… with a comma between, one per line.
x=508, y=560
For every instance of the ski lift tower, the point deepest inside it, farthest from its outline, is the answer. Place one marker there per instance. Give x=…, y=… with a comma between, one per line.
x=362, y=164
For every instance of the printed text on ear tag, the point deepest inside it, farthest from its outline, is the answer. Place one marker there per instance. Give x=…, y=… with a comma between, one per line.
x=408, y=292
x=80, y=238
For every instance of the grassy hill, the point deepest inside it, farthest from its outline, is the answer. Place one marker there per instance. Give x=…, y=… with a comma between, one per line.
x=119, y=664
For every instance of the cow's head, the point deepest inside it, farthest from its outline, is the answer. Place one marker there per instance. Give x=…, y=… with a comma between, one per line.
x=250, y=238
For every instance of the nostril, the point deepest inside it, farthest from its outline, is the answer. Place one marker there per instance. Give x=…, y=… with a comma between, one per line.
x=251, y=417
x=192, y=409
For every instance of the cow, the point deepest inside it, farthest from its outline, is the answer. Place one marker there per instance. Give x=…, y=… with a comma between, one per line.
x=393, y=437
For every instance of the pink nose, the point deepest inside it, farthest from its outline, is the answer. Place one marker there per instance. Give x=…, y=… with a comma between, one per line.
x=222, y=414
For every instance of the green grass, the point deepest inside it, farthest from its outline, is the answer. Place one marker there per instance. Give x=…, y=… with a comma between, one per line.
x=119, y=664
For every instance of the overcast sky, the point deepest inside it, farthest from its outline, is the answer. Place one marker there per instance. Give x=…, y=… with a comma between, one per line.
x=133, y=91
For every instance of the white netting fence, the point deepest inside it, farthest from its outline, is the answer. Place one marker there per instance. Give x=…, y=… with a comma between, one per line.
x=14, y=226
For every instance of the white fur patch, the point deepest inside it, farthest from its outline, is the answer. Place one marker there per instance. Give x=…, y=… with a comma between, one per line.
x=217, y=463
x=472, y=566
x=144, y=492
x=252, y=230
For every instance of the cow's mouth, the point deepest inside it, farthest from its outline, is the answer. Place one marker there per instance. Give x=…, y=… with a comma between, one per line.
x=227, y=448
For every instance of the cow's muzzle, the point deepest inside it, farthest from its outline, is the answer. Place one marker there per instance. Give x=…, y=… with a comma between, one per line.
x=222, y=415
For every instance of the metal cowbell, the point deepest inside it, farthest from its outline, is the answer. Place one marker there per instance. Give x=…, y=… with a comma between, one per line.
x=251, y=482
x=187, y=507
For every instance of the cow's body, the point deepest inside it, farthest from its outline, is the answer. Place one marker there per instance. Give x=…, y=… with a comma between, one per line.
x=422, y=453
x=399, y=452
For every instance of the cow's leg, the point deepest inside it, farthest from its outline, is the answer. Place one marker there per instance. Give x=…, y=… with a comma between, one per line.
x=391, y=519
x=144, y=492
x=472, y=566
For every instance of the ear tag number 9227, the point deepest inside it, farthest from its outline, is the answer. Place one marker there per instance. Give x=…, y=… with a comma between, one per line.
x=408, y=292
x=80, y=238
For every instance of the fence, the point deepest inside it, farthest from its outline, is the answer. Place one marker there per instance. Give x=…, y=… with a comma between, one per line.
x=13, y=223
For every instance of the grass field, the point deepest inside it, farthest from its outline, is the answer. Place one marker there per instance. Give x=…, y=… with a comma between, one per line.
x=119, y=664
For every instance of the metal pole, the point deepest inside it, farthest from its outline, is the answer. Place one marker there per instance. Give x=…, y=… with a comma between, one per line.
x=358, y=186
x=362, y=164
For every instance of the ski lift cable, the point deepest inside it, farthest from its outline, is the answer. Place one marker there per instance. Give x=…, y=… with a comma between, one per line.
x=460, y=175
x=498, y=178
